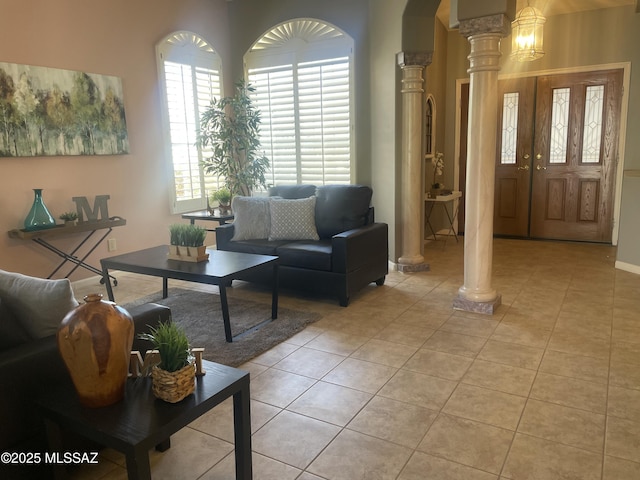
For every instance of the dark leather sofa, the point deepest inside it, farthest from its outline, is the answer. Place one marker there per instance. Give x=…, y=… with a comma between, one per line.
x=29, y=369
x=352, y=250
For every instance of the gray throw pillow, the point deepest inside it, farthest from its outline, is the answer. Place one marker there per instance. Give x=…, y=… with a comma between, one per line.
x=37, y=303
x=250, y=218
x=293, y=219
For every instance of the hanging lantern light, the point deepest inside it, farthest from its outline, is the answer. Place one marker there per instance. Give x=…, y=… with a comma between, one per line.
x=526, y=32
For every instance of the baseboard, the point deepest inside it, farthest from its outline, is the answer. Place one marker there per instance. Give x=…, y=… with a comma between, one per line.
x=628, y=267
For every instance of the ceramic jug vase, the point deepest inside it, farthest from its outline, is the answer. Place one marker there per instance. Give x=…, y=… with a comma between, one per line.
x=95, y=342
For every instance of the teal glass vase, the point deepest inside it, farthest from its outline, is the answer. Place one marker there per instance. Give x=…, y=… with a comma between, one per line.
x=39, y=216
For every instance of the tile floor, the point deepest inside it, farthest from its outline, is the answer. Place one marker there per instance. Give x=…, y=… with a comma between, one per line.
x=399, y=386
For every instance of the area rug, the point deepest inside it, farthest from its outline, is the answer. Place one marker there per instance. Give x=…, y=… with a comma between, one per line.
x=200, y=315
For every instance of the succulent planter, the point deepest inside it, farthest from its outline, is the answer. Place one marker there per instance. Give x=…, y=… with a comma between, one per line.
x=173, y=386
x=188, y=254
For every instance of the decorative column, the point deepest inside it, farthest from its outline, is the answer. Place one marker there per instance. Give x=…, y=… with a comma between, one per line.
x=412, y=64
x=484, y=34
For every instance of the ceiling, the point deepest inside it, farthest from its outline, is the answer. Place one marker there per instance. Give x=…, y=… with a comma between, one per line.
x=551, y=7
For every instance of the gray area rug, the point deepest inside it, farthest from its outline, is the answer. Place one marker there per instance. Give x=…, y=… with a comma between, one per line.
x=200, y=315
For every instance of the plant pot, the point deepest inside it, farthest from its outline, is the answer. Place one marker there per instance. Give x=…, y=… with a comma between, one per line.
x=95, y=342
x=197, y=252
x=434, y=192
x=183, y=251
x=174, y=386
x=224, y=209
x=69, y=223
x=173, y=250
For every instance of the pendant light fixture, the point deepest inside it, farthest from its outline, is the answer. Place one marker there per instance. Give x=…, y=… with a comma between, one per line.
x=526, y=32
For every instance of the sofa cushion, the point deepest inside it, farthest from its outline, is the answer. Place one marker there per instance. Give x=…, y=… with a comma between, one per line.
x=314, y=255
x=252, y=218
x=257, y=247
x=38, y=304
x=293, y=219
x=341, y=207
x=12, y=333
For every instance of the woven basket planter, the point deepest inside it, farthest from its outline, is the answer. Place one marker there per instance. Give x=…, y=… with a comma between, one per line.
x=173, y=386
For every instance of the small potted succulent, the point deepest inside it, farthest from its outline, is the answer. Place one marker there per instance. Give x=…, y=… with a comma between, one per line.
x=174, y=376
x=223, y=197
x=69, y=218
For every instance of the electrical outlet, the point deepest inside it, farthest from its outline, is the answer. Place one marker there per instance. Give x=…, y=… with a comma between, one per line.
x=111, y=245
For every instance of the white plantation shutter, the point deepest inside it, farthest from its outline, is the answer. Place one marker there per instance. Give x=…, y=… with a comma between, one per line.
x=325, y=123
x=304, y=94
x=274, y=97
x=191, y=78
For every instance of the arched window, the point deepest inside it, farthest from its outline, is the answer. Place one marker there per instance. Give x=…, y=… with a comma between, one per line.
x=302, y=73
x=430, y=127
x=190, y=73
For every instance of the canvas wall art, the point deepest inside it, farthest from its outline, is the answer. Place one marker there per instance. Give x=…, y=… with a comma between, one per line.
x=50, y=111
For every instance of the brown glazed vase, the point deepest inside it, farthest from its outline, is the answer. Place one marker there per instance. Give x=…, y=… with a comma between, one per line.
x=95, y=342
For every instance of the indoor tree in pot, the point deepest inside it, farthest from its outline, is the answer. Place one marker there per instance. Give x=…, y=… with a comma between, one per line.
x=230, y=127
x=174, y=377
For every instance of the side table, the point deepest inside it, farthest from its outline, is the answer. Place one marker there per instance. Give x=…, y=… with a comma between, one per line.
x=89, y=228
x=217, y=216
x=442, y=200
x=140, y=421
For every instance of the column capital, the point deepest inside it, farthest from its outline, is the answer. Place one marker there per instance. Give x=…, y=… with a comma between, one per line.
x=422, y=59
x=499, y=24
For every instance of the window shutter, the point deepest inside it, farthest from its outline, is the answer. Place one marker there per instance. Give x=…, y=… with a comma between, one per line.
x=301, y=70
x=325, y=125
x=191, y=78
x=274, y=97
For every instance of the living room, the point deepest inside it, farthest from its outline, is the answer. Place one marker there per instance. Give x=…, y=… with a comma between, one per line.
x=119, y=37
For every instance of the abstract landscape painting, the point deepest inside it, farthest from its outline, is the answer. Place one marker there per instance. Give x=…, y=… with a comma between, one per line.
x=49, y=111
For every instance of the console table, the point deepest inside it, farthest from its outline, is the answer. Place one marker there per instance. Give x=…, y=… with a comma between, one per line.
x=442, y=200
x=140, y=421
x=42, y=236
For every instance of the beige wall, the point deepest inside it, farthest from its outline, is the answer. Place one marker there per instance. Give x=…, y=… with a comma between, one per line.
x=118, y=38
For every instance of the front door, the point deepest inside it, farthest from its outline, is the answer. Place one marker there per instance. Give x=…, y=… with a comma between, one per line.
x=575, y=155
x=556, y=155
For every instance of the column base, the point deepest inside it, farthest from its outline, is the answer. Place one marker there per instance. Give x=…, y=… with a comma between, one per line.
x=488, y=308
x=412, y=268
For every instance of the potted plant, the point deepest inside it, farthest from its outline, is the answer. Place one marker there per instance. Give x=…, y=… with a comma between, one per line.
x=186, y=242
x=223, y=197
x=230, y=127
x=194, y=237
x=174, y=377
x=69, y=218
x=438, y=166
x=175, y=237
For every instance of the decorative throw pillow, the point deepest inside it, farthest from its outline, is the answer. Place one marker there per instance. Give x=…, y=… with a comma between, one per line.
x=38, y=304
x=251, y=218
x=293, y=219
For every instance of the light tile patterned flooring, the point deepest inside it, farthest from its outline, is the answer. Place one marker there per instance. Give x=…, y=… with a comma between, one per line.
x=400, y=386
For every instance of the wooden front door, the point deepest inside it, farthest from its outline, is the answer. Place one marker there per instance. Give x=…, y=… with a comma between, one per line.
x=575, y=155
x=556, y=155
x=513, y=157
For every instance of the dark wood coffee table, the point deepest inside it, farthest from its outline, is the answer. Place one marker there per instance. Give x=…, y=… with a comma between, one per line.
x=140, y=421
x=221, y=269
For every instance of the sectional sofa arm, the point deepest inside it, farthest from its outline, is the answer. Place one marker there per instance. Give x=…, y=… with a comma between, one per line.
x=360, y=247
x=224, y=234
